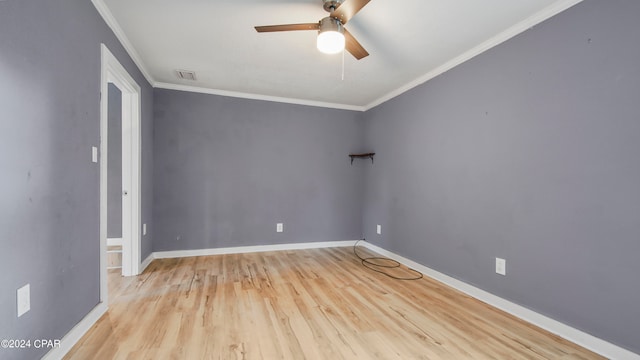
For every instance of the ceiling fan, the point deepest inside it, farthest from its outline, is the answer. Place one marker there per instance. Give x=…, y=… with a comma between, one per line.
x=332, y=36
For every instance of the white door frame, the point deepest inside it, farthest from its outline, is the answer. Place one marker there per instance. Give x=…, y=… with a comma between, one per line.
x=113, y=72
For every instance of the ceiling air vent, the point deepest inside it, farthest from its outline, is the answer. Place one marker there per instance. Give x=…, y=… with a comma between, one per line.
x=186, y=75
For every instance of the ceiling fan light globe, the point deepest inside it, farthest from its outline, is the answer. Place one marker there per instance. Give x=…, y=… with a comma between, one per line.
x=330, y=42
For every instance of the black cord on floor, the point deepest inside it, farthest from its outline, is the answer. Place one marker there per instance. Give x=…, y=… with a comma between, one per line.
x=371, y=264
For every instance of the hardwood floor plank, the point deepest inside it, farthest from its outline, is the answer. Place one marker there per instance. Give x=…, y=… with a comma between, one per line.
x=303, y=304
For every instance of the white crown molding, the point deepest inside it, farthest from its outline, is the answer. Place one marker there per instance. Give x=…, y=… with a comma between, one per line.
x=516, y=29
x=574, y=335
x=113, y=24
x=250, y=249
x=236, y=94
x=76, y=333
x=520, y=27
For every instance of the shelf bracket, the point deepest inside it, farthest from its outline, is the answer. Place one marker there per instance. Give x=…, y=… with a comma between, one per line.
x=361, y=156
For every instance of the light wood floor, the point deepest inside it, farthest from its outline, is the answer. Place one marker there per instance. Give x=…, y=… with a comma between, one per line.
x=303, y=304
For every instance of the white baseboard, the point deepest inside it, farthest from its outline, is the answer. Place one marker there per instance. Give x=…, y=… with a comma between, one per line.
x=76, y=333
x=114, y=241
x=250, y=249
x=574, y=335
x=579, y=337
x=146, y=263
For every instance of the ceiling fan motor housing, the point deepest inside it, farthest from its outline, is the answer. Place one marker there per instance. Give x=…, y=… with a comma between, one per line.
x=331, y=24
x=331, y=5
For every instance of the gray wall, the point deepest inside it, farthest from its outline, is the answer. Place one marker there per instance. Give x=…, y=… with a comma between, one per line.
x=527, y=152
x=114, y=171
x=227, y=170
x=49, y=188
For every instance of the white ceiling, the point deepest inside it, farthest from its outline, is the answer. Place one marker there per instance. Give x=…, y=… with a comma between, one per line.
x=409, y=41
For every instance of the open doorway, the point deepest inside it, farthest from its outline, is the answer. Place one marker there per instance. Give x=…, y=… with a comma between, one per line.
x=119, y=115
x=115, y=181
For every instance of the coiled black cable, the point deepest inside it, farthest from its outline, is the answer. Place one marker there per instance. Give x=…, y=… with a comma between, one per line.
x=371, y=264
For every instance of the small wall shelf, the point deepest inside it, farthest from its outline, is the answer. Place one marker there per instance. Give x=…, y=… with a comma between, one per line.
x=362, y=156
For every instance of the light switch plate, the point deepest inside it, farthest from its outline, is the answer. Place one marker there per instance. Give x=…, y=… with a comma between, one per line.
x=144, y=229
x=379, y=229
x=94, y=154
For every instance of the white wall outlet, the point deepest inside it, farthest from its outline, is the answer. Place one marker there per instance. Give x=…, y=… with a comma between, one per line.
x=379, y=229
x=144, y=229
x=279, y=227
x=24, y=300
x=94, y=154
x=501, y=266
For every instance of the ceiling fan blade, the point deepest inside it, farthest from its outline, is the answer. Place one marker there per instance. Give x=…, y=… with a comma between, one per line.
x=353, y=46
x=288, y=27
x=348, y=9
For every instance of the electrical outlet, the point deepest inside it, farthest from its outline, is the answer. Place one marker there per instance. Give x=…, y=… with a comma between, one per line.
x=379, y=229
x=24, y=300
x=501, y=266
x=279, y=227
x=144, y=229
